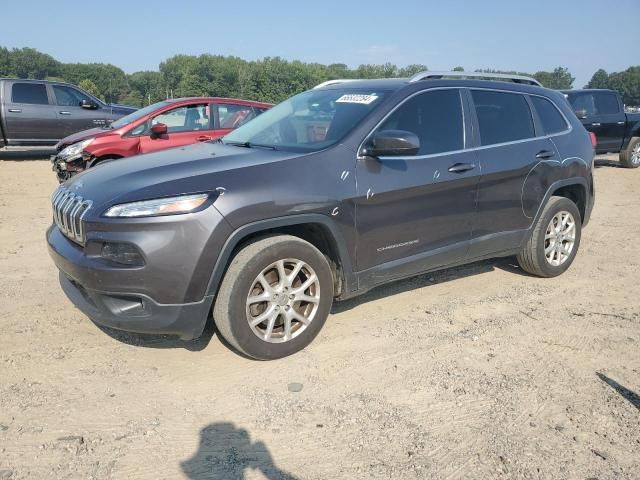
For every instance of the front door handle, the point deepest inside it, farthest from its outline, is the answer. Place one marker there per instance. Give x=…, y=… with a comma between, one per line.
x=461, y=167
x=64, y=112
x=595, y=124
x=621, y=123
x=544, y=154
x=203, y=138
x=15, y=110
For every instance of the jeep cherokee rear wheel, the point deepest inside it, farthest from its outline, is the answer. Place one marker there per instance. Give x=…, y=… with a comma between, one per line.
x=274, y=298
x=555, y=239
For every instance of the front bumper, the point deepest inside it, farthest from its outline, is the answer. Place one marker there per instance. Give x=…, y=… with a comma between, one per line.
x=66, y=168
x=165, y=295
x=138, y=313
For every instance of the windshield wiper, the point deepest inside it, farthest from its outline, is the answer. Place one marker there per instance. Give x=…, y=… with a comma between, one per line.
x=249, y=145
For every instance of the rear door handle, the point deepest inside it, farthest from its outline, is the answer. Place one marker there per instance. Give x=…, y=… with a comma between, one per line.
x=544, y=154
x=621, y=123
x=64, y=112
x=461, y=167
x=203, y=138
x=15, y=110
x=595, y=124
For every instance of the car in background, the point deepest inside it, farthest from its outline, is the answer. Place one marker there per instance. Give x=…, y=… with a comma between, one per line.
x=166, y=124
x=602, y=112
x=38, y=113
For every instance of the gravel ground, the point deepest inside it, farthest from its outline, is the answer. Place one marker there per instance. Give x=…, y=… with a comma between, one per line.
x=475, y=372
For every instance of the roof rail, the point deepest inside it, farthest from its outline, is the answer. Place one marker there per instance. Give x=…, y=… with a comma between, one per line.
x=505, y=77
x=334, y=82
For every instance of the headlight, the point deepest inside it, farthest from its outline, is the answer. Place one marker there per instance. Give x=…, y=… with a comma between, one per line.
x=158, y=206
x=75, y=150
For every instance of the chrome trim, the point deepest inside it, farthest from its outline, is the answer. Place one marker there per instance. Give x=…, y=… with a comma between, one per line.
x=69, y=210
x=426, y=75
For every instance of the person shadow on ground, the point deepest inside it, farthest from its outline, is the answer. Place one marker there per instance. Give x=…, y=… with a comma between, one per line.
x=226, y=452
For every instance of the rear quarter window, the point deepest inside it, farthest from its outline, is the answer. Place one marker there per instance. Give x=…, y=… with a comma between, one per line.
x=502, y=116
x=32, y=93
x=552, y=120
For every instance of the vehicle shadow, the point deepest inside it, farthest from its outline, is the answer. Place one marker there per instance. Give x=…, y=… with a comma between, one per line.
x=162, y=341
x=225, y=452
x=508, y=264
x=629, y=395
x=25, y=155
x=599, y=163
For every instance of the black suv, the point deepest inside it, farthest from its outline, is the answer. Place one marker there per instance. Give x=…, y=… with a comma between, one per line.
x=332, y=192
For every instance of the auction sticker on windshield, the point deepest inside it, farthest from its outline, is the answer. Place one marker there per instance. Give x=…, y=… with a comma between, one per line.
x=357, y=98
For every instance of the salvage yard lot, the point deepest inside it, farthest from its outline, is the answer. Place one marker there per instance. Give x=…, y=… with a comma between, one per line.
x=475, y=372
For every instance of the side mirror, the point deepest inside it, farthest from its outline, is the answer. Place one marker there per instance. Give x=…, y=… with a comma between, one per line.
x=88, y=104
x=581, y=114
x=158, y=129
x=392, y=143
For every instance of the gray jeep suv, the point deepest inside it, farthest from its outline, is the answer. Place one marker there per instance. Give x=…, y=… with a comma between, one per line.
x=332, y=192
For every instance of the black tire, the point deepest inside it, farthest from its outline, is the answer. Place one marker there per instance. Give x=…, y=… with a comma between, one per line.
x=627, y=157
x=230, y=310
x=532, y=258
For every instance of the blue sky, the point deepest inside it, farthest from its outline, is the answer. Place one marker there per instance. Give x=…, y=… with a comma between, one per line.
x=526, y=36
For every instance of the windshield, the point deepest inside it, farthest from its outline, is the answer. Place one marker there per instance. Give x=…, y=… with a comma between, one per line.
x=138, y=114
x=308, y=122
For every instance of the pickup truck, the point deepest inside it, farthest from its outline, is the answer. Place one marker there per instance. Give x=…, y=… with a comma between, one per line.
x=38, y=113
x=602, y=112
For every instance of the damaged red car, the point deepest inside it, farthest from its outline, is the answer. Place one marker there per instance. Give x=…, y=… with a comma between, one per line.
x=166, y=124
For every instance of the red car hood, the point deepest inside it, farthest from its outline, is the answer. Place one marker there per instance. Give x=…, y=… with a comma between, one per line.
x=83, y=135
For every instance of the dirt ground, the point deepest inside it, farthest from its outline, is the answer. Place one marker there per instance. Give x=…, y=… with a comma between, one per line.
x=476, y=372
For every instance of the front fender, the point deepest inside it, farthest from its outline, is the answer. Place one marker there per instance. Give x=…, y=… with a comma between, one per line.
x=243, y=232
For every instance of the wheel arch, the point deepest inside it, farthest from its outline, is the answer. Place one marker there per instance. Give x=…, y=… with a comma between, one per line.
x=575, y=187
x=316, y=229
x=94, y=161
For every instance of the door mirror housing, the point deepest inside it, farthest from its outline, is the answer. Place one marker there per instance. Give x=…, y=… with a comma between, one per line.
x=159, y=129
x=88, y=104
x=392, y=143
x=581, y=114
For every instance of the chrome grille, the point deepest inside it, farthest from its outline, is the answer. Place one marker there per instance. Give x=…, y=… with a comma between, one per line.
x=68, y=212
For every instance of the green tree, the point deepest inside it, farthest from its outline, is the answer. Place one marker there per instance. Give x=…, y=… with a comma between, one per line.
x=90, y=87
x=600, y=79
x=458, y=69
x=412, y=69
x=628, y=84
x=6, y=67
x=30, y=63
x=559, y=79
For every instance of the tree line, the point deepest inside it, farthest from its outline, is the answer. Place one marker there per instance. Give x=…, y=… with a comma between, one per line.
x=271, y=79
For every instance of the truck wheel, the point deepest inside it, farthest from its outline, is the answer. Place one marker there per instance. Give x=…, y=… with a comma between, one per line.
x=554, y=241
x=274, y=298
x=630, y=157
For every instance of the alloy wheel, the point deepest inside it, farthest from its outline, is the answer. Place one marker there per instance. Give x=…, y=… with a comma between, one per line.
x=283, y=300
x=560, y=238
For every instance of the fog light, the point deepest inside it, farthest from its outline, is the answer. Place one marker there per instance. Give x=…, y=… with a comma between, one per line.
x=122, y=253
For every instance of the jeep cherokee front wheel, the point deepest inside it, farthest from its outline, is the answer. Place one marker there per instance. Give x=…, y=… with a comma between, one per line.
x=274, y=298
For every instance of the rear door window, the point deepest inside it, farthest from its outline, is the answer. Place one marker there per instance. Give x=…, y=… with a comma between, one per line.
x=606, y=103
x=502, y=117
x=32, y=93
x=552, y=120
x=435, y=117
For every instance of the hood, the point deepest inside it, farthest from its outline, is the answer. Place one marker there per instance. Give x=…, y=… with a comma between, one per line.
x=196, y=168
x=83, y=135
